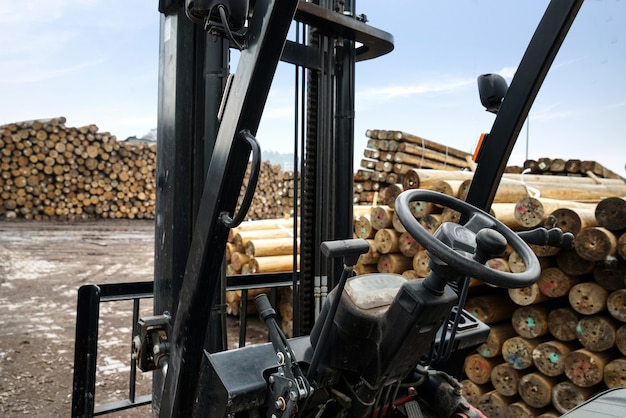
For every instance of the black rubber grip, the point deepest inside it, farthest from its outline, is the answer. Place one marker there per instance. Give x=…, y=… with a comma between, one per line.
x=345, y=247
x=264, y=307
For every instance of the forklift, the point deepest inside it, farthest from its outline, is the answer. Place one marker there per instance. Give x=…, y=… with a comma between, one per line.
x=381, y=345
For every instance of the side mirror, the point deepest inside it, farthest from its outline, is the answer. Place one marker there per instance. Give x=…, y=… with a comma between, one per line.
x=492, y=88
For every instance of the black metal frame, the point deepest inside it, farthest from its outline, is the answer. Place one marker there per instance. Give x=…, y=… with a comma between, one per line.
x=86, y=346
x=86, y=338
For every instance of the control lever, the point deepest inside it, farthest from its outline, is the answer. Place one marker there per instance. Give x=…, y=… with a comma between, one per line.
x=288, y=385
x=554, y=237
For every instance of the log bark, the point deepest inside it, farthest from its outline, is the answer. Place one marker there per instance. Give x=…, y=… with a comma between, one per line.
x=585, y=368
x=272, y=264
x=267, y=247
x=472, y=391
x=595, y=244
x=489, y=308
x=242, y=238
x=562, y=323
x=395, y=222
x=588, y=298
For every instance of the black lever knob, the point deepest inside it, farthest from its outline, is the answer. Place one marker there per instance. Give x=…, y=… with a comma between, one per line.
x=489, y=244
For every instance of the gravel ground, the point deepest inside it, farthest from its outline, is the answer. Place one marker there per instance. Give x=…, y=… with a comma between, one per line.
x=42, y=265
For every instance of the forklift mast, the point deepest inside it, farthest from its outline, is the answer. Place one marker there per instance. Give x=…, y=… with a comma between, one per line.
x=202, y=160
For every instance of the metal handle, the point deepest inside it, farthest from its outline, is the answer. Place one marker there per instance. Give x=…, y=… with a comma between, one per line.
x=255, y=150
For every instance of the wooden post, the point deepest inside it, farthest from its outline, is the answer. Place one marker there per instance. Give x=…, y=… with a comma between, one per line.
x=586, y=368
x=566, y=395
x=616, y=304
x=420, y=263
x=363, y=227
x=536, y=389
x=595, y=244
x=615, y=373
x=571, y=220
x=610, y=274
x=554, y=283
x=572, y=264
x=267, y=247
x=588, y=298
x=498, y=333
x=408, y=245
x=518, y=351
x=548, y=356
x=371, y=256
x=620, y=339
x=494, y=404
x=489, y=308
x=505, y=379
x=387, y=241
x=527, y=295
x=478, y=368
x=521, y=410
x=394, y=263
x=380, y=217
x=611, y=213
x=596, y=332
x=562, y=323
x=531, y=321
x=271, y=264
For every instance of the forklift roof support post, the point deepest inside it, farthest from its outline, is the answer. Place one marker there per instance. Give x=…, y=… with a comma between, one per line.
x=536, y=62
x=266, y=37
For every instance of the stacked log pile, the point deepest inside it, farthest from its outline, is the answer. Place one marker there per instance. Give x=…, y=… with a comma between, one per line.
x=390, y=154
x=52, y=171
x=571, y=167
x=556, y=343
x=262, y=246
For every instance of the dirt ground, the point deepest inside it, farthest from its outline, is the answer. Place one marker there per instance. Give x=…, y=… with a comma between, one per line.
x=42, y=265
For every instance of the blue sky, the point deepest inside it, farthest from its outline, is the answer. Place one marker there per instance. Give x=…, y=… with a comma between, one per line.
x=96, y=61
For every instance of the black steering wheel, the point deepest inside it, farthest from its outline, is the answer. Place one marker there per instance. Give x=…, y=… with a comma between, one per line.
x=480, y=225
